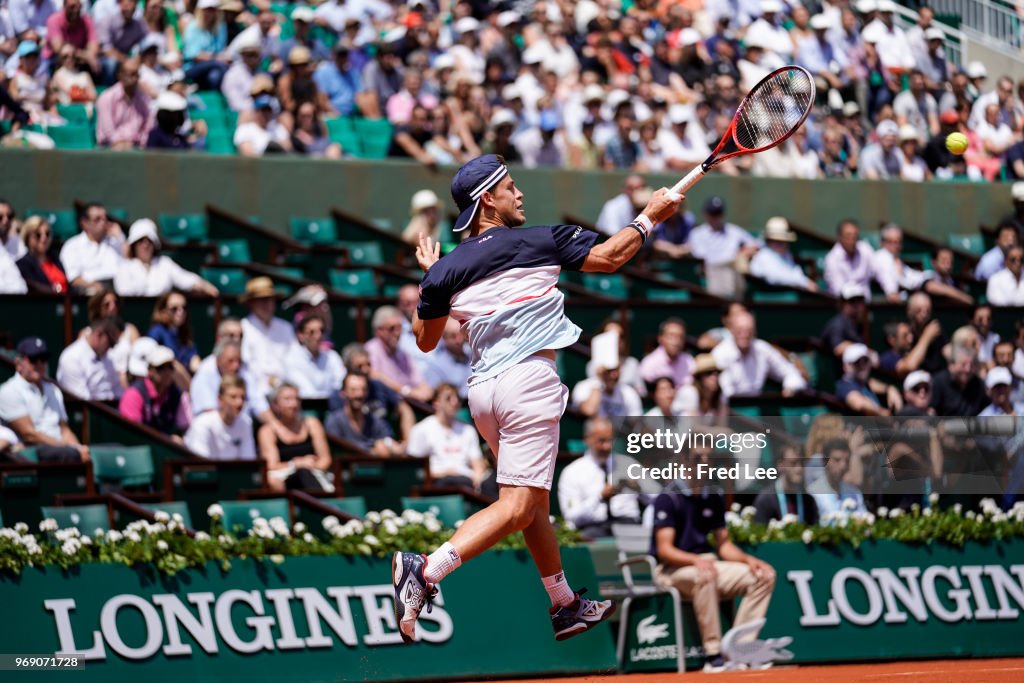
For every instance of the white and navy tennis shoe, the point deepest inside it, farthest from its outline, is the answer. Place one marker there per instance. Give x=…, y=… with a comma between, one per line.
x=579, y=616
x=412, y=591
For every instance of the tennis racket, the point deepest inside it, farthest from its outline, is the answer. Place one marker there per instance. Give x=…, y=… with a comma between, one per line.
x=770, y=113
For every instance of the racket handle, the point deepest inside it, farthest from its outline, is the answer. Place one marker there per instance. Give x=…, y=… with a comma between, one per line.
x=690, y=180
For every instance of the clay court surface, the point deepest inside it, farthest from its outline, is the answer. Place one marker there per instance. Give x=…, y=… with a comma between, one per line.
x=943, y=671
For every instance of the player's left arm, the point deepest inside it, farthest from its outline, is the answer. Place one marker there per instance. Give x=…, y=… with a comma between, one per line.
x=730, y=552
x=614, y=253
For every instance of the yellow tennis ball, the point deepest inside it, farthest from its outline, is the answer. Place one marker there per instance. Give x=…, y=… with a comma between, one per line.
x=956, y=143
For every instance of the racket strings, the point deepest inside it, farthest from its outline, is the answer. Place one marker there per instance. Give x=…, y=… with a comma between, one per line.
x=774, y=109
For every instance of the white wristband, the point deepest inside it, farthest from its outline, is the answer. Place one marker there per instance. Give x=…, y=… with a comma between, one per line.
x=645, y=223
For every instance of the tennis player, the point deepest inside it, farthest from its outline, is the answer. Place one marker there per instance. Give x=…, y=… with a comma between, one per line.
x=501, y=284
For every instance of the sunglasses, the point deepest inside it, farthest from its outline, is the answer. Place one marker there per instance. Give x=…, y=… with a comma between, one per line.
x=38, y=359
x=166, y=367
x=175, y=309
x=921, y=389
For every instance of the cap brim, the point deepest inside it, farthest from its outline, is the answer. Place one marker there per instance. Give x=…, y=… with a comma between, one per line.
x=466, y=217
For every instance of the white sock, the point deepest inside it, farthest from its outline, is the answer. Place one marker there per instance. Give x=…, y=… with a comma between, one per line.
x=558, y=590
x=441, y=563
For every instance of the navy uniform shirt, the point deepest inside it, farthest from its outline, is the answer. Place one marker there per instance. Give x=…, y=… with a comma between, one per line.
x=693, y=516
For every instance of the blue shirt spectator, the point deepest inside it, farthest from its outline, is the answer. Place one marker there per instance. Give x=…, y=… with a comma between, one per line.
x=340, y=82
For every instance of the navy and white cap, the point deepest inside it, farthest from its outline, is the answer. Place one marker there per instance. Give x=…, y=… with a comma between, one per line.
x=470, y=182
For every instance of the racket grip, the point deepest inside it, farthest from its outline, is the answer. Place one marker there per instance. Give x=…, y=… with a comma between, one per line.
x=690, y=180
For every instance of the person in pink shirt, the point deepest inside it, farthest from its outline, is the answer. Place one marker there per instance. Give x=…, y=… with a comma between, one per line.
x=153, y=399
x=669, y=359
x=400, y=105
x=123, y=114
x=390, y=364
x=71, y=27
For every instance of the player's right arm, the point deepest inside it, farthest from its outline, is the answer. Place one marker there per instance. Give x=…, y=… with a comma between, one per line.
x=428, y=332
x=614, y=253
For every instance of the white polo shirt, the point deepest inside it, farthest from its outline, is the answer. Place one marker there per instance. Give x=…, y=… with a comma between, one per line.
x=44, y=405
x=264, y=348
x=318, y=377
x=209, y=437
x=95, y=261
x=134, y=278
x=86, y=375
x=449, y=449
x=1005, y=290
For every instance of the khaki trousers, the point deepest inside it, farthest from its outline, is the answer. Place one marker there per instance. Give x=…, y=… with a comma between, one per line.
x=732, y=579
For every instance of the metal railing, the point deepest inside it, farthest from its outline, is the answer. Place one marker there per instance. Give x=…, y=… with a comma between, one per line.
x=955, y=43
x=997, y=23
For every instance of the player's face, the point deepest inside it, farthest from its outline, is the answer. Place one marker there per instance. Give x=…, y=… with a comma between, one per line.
x=508, y=202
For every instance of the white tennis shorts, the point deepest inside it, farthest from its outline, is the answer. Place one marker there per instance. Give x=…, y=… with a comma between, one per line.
x=518, y=413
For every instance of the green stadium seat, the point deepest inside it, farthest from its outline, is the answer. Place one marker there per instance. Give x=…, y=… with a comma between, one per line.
x=86, y=518
x=753, y=412
x=354, y=505
x=220, y=142
x=606, y=285
x=30, y=453
x=240, y=513
x=810, y=361
x=75, y=113
x=173, y=507
x=179, y=228
x=118, y=213
x=233, y=251
x=359, y=282
x=797, y=421
x=313, y=230
x=365, y=253
x=292, y=272
x=122, y=465
x=971, y=243
x=447, y=509
x=72, y=136
x=212, y=100
x=872, y=238
x=63, y=221
x=342, y=131
x=774, y=296
x=230, y=281
x=668, y=295
x=375, y=137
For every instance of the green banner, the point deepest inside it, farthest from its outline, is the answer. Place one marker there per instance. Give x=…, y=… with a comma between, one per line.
x=305, y=619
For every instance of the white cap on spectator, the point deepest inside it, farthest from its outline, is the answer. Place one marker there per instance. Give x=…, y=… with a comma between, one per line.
x=444, y=61
x=770, y=6
x=137, y=364
x=976, y=70
x=866, y=6
x=170, y=57
x=466, y=25
x=247, y=42
x=680, y=113
x=534, y=54
x=394, y=35
x=170, y=101
x=208, y=4
x=851, y=109
x=508, y=18
x=159, y=355
x=998, y=375
x=917, y=377
x=593, y=92
x=853, y=290
x=755, y=41
x=511, y=92
x=617, y=97
x=503, y=117
x=819, y=22
x=151, y=41
x=177, y=76
x=689, y=36
x=777, y=230
x=854, y=352
x=303, y=14
x=145, y=228
x=887, y=129
x=908, y=132
x=1017, y=191
x=424, y=199
x=886, y=6
x=934, y=34
x=872, y=33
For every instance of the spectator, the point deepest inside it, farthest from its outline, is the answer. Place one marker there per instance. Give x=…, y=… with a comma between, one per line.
x=264, y=133
x=41, y=271
x=343, y=84
x=774, y=263
x=1005, y=287
x=449, y=362
x=606, y=396
x=85, y=368
x=919, y=314
x=1016, y=217
x=380, y=400
x=671, y=237
x=302, y=23
x=787, y=495
x=995, y=137
x=118, y=34
x=168, y=131
x=1003, y=356
x=452, y=446
x=315, y=372
x=704, y=398
x=917, y=395
x=830, y=491
x=845, y=328
x=71, y=26
x=746, y=362
x=849, y=260
x=296, y=85
x=30, y=15
x=224, y=433
x=10, y=239
x=688, y=526
x=882, y=160
x=792, y=158
x=957, y=391
x=670, y=358
x=999, y=383
x=992, y=261
x=621, y=209
x=629, y=367
x=411, y=140
x=123, y=114
x=595, y=491
x=33, y=407
x=204, y=44
x=155, y=400
x=399, y=106
x=265, y=338
x=935, y=153
x=354, y=422
x=899, y=358
x=309, y=135
x=71, y=83
x=11, y=280
x=425, y=209
x=146, y=272
x=171, y=328
x=981, y=321
x=391, y=365
x=27, y=86
x=835, y=160
x=720, y=244
x=294, y=445
x=226, y=360
x=917, y=108
x=663, y=392
x=622, y=150
x=912, y=167
x=238, y=79
x=383, y=76
x=893, y=275
x=942, y=267
x=92, y=257
x=859, y=390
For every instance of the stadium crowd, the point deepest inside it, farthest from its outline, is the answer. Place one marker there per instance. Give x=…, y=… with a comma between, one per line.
x=588, y=84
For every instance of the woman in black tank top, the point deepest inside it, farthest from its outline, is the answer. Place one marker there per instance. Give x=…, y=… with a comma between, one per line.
x=295, y=447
